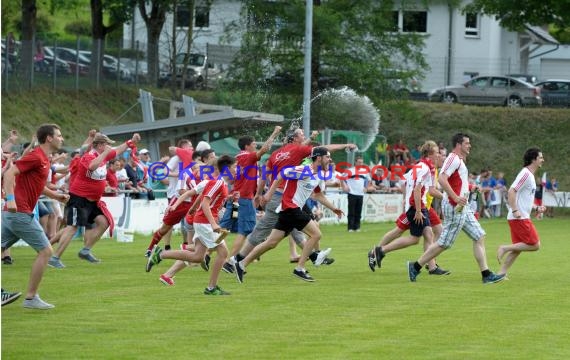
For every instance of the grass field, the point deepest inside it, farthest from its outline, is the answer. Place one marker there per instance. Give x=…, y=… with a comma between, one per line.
x=115, y=310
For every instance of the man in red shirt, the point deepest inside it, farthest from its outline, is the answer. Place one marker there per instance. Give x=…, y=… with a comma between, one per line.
x=207, y=230
x=23, y=183
x=245, y=186
x=85, y=207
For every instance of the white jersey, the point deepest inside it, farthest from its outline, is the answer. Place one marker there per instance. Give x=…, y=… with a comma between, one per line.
x=172, y=182
x=458, y=176
x=525, y=187
x=357, y=182
x=300, y=184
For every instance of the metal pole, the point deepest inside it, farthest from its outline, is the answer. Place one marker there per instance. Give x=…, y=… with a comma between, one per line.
x=307, y=72
x=77, y=65
x=54, y=70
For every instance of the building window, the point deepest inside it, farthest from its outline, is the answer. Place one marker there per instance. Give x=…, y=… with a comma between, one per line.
x=414, y=21
x=183, y=18
x=202, y=17
x=472, y=25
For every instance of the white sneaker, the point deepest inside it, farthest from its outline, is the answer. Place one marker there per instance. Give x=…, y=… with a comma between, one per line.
x=37, y=303
x=322, y=256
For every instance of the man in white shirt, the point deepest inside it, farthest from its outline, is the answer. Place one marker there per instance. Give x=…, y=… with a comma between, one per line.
x=521, y=203
x=356, y=185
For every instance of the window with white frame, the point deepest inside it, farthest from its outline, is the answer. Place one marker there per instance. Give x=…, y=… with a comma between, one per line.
x=409, y=21
x=472, y=25
x=201, y=16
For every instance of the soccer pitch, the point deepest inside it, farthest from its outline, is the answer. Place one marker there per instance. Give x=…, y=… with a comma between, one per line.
x=115, y=310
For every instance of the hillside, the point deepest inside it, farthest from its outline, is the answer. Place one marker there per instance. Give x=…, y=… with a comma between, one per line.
x=499, y=135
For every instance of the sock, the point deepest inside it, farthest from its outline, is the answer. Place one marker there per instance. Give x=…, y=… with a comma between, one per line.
x=239, y=257
x=166, y=247
x=417, y=266
x=299, y=269
x=485, y=273
x=313, y=256
x=156, y=237
x=85, y=250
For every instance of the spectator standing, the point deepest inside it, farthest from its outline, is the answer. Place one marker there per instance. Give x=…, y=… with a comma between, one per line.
x=355, y=186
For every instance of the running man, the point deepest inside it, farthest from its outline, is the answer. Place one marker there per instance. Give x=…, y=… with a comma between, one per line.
x=457, y=215
x=520, y=200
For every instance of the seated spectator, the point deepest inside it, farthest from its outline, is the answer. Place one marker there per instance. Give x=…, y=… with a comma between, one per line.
x=401, y=152
x=380, y=181
x=416, y=154
x=112, y=185
x=382, y=156
x=135, y=184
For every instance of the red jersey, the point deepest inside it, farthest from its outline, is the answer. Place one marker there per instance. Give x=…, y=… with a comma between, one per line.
x=185, y=156
x=199, y=186
x=91, y=184
x=112, y=179
x=246, y=180
x=290, y=155
x=73, y=168
x=34, y=169
x=217, y=191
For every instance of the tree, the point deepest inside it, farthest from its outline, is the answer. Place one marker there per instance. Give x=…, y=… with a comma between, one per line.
x=154, y=21
x=354, y=41
x=29, y=15
x=119, y=11
x=514, y=14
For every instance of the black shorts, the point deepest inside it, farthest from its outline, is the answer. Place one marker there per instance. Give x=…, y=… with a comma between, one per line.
x=417, y=229
x=80, y=211
x=292, y=219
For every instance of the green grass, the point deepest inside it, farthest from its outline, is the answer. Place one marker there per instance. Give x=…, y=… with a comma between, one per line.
x=117, y=311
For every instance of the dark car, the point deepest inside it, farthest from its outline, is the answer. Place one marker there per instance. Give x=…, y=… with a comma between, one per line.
x=289, y=78
x=489, y=90
x=531, y=79
x=555, y=92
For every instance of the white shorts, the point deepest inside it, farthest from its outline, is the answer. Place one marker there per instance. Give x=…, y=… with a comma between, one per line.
x=454, y=222
x=207, y=236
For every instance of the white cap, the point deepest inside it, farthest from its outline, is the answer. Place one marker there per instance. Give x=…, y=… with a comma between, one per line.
x=202, y=145
x=143, y=151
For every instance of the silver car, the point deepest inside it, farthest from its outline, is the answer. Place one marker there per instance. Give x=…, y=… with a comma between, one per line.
x=490, y=90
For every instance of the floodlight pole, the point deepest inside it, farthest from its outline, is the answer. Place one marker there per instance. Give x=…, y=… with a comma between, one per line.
x=307, y=72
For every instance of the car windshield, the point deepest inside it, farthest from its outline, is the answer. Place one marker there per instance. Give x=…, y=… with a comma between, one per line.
x=193, y=60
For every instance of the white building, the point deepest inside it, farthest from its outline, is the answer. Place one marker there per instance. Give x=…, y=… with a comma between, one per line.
x=458, y=46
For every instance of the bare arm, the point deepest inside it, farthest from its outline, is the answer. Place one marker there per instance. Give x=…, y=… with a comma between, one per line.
x=320, y=197
x=267, y=144
x=9, y=182
x=208, y=213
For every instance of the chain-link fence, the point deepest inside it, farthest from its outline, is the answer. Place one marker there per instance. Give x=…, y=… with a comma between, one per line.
x=73, y=64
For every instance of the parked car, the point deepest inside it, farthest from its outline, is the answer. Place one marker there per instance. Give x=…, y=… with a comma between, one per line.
x=200, y=67
x=295, y=78
x=75, y=61
x=555, y=92
x=137, y=68
x=489, y=90
x=62, y=67
x=531, y=79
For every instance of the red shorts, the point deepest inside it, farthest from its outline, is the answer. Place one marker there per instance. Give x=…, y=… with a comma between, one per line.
x=523, y=231
x=403, y=224
x=538, y=202
x=175, y=216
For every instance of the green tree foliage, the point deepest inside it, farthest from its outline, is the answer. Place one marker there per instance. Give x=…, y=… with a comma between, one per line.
x=514, y=14
x=78, y=28
x=353, y=42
